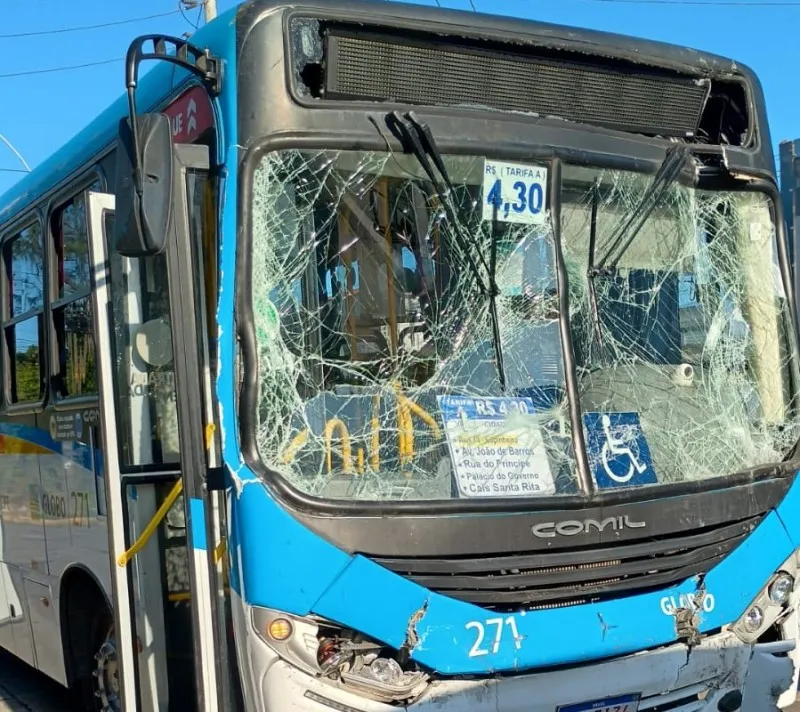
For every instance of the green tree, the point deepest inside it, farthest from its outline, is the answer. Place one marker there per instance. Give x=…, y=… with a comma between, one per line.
x=28, y=374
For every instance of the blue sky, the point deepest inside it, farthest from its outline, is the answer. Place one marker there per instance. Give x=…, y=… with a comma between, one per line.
x=41, y=111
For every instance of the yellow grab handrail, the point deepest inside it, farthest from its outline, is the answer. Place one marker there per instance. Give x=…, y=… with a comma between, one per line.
x=297, y=442
x=402, y=433
x=347, y=458
x=423, y=415
x=375, y=444
x=405, y=407
x=152, y=525
x=405, y=434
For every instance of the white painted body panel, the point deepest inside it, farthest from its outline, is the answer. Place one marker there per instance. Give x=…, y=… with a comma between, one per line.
x=37, y=549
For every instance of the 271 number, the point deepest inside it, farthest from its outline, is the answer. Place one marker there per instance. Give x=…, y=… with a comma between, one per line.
x=80, y=509
x=528, y=197
x=496, y=627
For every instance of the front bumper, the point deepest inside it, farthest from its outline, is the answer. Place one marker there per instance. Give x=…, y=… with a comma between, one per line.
x=674, y=678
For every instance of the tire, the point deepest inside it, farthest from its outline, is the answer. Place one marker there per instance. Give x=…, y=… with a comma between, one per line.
x=104, y=688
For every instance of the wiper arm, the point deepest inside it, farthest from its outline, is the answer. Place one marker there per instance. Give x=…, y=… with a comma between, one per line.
x=625, y=232
x=420, y=140
x=422, y=144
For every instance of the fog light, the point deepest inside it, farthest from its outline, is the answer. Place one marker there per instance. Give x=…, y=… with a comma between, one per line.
x=280, y=629
x=386, y=670
x=781, y=588
x=753, y=619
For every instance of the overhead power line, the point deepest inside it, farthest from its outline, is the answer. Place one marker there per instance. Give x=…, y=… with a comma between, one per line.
x=65, y=68
x=81, y=28
x=194, y=23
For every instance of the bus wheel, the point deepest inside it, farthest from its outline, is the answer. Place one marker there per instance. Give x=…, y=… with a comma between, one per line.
x=106, y=674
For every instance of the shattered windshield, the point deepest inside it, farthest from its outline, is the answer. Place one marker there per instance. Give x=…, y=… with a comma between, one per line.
x=378, y=368
x=379, y=356
x=680, y=333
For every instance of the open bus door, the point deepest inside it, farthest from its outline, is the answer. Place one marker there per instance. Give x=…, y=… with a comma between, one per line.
x=171, y=636
x=159, y=444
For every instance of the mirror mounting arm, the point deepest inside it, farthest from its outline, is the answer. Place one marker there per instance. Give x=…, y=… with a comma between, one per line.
x=199, y=62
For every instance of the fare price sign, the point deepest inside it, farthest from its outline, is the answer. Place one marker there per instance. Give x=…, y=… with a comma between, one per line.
x=517, y=190
x=496, y=450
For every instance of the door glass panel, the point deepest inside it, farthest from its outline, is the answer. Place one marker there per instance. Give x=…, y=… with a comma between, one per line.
x=202, y=228
x=144, y=377
x=203, y=234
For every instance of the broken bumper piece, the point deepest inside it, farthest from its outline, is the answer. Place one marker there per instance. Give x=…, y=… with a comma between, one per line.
x=721, y=673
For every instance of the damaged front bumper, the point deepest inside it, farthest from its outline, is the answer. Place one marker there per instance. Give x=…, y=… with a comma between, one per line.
x=721, y=673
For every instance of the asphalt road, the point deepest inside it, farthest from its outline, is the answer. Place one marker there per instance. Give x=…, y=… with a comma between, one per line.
x=23, y=688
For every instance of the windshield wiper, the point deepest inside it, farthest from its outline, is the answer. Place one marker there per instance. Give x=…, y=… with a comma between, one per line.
x=626, y=231
x=419, y=139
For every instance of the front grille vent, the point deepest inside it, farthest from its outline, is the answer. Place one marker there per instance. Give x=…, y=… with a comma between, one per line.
x=554, y=579
x=363, y=67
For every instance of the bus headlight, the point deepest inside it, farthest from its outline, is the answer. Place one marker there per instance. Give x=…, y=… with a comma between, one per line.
x=770, y=605
x=341, y=657
x=753, y=619
x=781, y=588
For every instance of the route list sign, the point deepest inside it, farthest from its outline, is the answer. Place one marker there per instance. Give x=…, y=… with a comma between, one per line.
x=497, y=451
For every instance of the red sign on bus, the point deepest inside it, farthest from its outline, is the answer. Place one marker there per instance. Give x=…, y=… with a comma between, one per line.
x=190, y=114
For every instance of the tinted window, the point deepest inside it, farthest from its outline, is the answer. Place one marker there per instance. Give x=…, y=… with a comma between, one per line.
x=25, y=269
x=72, y=312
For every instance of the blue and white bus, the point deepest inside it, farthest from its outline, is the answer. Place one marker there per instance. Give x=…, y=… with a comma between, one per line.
x=368, y=356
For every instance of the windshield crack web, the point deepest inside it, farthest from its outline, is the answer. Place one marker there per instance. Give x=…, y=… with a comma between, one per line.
x=689, y=331
x=366, y=312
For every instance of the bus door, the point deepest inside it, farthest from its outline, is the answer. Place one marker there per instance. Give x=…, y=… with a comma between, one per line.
x=161, y=446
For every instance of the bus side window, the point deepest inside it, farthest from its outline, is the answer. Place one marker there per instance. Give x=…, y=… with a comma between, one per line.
x=24, y=318
x=76, y=373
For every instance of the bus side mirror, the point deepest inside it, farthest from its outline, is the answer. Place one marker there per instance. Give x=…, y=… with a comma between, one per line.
x=144, y=185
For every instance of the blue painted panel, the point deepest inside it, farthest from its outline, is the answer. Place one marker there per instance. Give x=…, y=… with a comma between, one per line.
x=283, y=562
x=197, y=514
x=789, y=513
x=736, y=580
x=375, y=601
x=297, y=570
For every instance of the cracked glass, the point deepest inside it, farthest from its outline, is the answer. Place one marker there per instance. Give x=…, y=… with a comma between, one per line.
x=375, y=332
x=681, y=330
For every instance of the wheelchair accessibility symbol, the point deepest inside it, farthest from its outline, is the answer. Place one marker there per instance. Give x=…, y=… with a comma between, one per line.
x=618, y=450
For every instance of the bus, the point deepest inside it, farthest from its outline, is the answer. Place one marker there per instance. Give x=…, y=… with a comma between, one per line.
x=368, y=356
